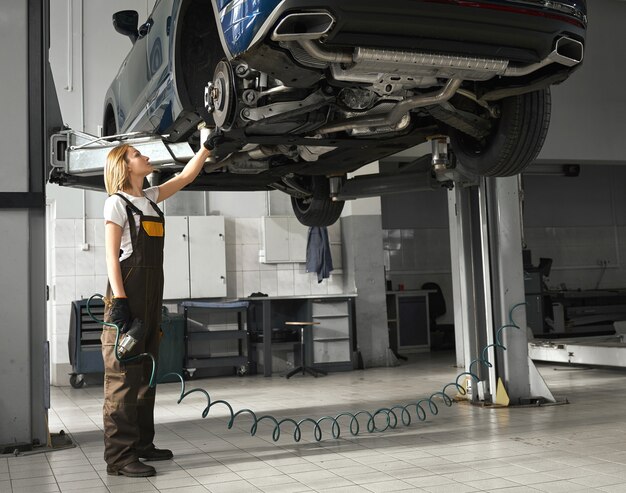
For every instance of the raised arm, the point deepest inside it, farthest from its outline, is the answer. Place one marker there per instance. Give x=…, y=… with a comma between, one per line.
x=191, y=169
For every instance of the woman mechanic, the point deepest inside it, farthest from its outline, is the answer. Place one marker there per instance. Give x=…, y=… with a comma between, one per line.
x=134, y=235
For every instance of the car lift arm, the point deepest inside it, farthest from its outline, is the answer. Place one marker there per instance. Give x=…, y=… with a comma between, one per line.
x=80, y=154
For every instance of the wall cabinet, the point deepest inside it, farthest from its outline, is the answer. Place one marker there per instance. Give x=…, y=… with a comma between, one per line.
x=284, y=240
x=194, y=257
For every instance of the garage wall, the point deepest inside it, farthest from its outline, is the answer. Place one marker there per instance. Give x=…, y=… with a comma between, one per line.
x=588, y=109
x=579, y=223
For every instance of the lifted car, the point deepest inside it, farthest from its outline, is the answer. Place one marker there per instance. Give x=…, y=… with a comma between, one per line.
x=308, y=91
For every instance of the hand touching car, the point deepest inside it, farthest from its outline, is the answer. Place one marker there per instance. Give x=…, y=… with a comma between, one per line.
x=213, y=140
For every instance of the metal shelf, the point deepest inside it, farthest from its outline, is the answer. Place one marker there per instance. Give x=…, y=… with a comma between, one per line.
x=194, y=361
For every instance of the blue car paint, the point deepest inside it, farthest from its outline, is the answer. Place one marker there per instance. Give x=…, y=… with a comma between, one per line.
x=241, y=20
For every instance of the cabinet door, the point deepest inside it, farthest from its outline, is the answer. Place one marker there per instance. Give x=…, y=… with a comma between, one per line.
x=331, y=338
x=413, y=325
x=207, y=257
x=298, y=234
x=276, y=239
x=176, y=258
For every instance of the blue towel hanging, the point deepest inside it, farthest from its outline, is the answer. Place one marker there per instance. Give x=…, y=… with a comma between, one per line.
x=318, y=258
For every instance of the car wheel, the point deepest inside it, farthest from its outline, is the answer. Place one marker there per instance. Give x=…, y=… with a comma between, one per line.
x=515, y=141
x=317, y=209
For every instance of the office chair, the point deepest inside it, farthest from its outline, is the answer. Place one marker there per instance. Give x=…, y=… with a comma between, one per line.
x=442, y=335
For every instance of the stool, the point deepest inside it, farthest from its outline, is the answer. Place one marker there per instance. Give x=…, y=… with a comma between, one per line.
x=304, y=369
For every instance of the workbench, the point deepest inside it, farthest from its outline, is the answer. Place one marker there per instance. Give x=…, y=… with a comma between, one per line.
x=331, y=345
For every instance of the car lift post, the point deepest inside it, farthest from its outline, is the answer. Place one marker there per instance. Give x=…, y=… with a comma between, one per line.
x=487, y=278
x=30, y=108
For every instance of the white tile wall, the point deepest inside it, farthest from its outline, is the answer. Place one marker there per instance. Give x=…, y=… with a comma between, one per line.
x=290, y=279
x=286, y=286
x=250, y=257
x=302, y=282
x=269, y=282
x=75, y=274
x=234, y=284
x=65, y=260
x=251, y=282
x=64, y=290
x=248, y=231
x=85, y=261
x=85, y=287
x=417, y=250
x=61, y=321
x=64, y=233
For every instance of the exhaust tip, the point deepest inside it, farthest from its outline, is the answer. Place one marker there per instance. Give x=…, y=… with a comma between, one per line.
x=303, y=25
x=568, y=52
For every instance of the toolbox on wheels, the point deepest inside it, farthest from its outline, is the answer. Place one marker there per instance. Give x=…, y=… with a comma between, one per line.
x=85, y=349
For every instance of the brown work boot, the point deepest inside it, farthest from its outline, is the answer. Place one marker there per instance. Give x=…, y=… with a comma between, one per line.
x=135, y=469
x=155, y=454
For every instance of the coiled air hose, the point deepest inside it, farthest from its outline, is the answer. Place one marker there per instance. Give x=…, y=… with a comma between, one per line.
x=390, y=416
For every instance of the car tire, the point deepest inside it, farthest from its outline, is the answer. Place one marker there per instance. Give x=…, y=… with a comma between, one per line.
x=317, y=209
x=515, y=142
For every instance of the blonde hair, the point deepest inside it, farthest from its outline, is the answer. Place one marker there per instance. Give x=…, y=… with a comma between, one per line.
x=116, y=175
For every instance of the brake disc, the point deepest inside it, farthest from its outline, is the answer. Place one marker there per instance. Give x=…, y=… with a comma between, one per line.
x=220, y=96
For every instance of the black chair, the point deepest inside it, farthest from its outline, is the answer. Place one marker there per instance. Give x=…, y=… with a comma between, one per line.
x=441, y=335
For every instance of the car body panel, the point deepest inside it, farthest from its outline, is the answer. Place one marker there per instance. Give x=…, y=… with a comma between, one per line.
x=241, y=20
x=131, y=87
x=160, y=49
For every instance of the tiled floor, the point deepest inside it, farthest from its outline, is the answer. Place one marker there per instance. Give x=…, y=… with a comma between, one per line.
x=580, y=446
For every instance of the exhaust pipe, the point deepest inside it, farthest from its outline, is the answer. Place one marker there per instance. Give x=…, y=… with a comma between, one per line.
x=303, y=25
x=567, y=51
x=386, y=184
x=398, y=111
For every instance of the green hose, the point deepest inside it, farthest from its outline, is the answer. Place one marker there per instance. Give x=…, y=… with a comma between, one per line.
x=390, y=416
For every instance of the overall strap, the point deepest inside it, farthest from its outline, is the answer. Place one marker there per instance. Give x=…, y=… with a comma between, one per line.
x=130, y=208
x=155, y=207
x=130, y=205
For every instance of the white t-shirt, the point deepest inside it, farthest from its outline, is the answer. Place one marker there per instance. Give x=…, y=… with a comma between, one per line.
x=115, y=211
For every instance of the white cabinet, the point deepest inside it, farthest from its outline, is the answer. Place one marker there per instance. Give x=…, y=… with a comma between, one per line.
x=284, y=240
x=194, y=257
